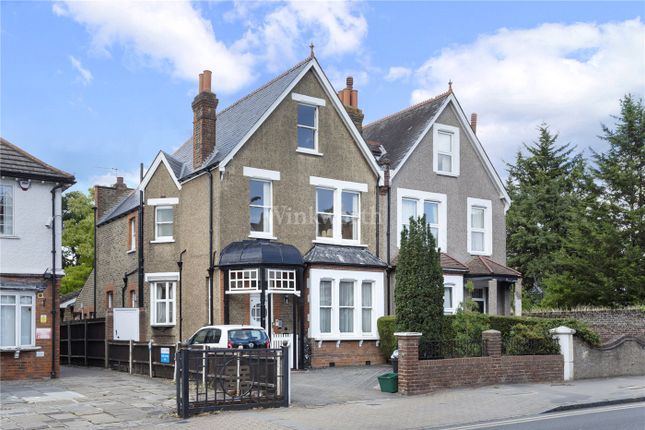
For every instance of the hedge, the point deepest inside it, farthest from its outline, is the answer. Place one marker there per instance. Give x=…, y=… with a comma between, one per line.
x=386, y=328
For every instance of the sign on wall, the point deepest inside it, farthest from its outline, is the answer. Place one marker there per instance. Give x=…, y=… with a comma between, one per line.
x=43, y=333
x=165, y=355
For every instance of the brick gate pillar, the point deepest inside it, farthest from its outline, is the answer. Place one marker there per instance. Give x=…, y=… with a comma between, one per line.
x=408, y=360
x=492, y=343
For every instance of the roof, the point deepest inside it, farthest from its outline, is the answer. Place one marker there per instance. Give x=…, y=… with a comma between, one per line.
x=342, y=255
x=126, y=204
x=399, y=132
x=24, y=284
x=449, y=263
x=19, y=163
x=234, y=122
x=69, y=299
x=260, y=252
x=484, y=266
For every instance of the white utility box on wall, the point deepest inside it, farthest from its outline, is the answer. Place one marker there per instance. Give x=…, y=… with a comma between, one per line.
x=125, y=324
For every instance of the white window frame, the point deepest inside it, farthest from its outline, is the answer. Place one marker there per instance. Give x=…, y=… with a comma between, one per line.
x=268, y=204
x=268, y=176
x=132, y=227
x=238, y=276
x=355, y=328
x=169, y=302
x=164, y=239
x=287, y=284
x=370, y=307
x=488, y=225
x=338, y=187
x=456, y=282
x=17, y=322
x=316, y=103
x=13, y=210
x=483, y=299
x=421, y=197
x=336, y=276
x=330, y=306
x=455, y=162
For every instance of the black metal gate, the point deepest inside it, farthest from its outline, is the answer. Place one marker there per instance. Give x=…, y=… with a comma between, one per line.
x=218, y=379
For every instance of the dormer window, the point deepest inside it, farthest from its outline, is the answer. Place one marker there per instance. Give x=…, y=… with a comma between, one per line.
x=445, y=150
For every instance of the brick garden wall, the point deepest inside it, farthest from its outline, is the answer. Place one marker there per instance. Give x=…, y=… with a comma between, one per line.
x=423, y=376
x=610, y=324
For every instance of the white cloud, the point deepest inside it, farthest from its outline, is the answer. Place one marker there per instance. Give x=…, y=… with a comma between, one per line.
x=335, y=27
x=398, y=73
x=169, y=34
x=569, y=76
x=84, y=74
x=131, y=178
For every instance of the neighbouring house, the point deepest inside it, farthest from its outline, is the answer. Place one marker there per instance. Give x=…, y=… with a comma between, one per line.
x=30, y=263
x=68, y=309
x=265, y=216
x=434, y=165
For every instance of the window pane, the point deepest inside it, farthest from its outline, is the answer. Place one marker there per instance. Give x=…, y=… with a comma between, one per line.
x=346, y=322
x=477, y=217
x=325, y=226
x=25, y=325
x=367, y=321
x=431, y=211
x=325, y=320
x=161, y=313
x=477, y=241
x=444, y=143
x=164, y=214
x=164, y=230
x=349, y=228
x=161, y=291
x=306, y=138
x=366, y=294
x=325, y=200
x=435, y=234
x=349, y=203
x=478, y=293
x=346, y=293
x=258, y=192
x=445, y=163
x=409, y=209
x=7, y=323
x=325, y=293
x=170, y=290
x=25, y=300
x=447, y=297
x=307, y=115
x=170, y=316
x=8, y=300
x=257, y=219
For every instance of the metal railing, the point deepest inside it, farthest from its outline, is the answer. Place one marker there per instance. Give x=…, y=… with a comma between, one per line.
x=441, y=349
x=524, y=346
x=218, y=379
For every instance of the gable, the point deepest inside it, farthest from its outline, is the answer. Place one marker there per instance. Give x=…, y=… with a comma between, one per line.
x=160, y=160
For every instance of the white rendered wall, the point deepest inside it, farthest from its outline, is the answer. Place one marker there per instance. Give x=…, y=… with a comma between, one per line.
x=457, y=282
x=28, y=250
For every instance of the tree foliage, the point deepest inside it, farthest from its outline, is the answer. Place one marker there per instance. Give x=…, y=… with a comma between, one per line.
x=544, y=185
x=78, y=239
x=419, y=282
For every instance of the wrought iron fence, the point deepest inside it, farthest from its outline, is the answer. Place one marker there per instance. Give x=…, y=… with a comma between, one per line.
x=440, y=349
x=530, y=346
x=218, y=379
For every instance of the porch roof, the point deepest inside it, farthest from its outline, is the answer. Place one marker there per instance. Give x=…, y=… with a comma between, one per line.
x=343, y=256
x=484, y=266
x=260, y=252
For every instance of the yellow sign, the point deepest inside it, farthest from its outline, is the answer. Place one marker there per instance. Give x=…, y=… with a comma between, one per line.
x=43, y=318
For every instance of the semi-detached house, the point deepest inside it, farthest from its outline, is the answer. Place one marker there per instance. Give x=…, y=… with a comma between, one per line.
x=273, y=213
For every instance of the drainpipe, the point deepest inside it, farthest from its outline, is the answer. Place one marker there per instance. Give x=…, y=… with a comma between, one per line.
x=388, y=235
x=95, y=208
x=180, y=264
x=140, y=250
x=378, y=217
x=211, y=265
x=54, y=310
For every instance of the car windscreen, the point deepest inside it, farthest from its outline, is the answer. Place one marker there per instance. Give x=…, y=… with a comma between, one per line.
x=247, y=335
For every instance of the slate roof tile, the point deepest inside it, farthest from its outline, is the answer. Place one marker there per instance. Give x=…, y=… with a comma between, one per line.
x=18, y=162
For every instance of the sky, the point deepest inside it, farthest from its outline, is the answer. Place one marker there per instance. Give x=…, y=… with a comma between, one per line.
x=91, y=87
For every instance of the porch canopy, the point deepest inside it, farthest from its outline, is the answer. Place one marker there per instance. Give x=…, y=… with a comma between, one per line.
x=260, y=252
x=484, y=268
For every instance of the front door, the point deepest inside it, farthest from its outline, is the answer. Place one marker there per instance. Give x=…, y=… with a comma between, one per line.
x=255, y=310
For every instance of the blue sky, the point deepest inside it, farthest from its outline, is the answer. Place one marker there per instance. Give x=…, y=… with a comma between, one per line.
x=93, y=86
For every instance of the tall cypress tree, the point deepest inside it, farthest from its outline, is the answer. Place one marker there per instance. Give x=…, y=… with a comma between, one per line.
x=544, y=186
x=419, y=282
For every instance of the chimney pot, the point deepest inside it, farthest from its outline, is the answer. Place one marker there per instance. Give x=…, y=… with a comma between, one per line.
x=201, y=83
x=473, y=122
x=207, y=81
x=119, y=180
x=350, y=82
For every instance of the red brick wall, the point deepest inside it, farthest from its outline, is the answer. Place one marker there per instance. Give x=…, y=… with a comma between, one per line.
x=28, y=365
x=348, y=353
x=423, y=376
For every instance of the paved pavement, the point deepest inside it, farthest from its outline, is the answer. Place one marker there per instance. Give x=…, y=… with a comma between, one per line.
x=329, y=398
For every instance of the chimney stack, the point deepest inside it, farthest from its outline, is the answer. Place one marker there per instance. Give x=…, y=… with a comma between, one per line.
x=349, y=97
x=204, y=120
x=473, y=122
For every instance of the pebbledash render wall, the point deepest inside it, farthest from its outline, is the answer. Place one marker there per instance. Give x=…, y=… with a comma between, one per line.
x=422, y=376
x=610, y=324
x=35, y=364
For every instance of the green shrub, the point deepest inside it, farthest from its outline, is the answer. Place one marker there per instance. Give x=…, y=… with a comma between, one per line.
x=504, y=324
x=530, y=340
x=386, y=328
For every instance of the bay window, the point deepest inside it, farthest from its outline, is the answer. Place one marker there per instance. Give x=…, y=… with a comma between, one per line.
x=17, y=319
x=325, y=306
x=366, y=304
x=346, y=306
